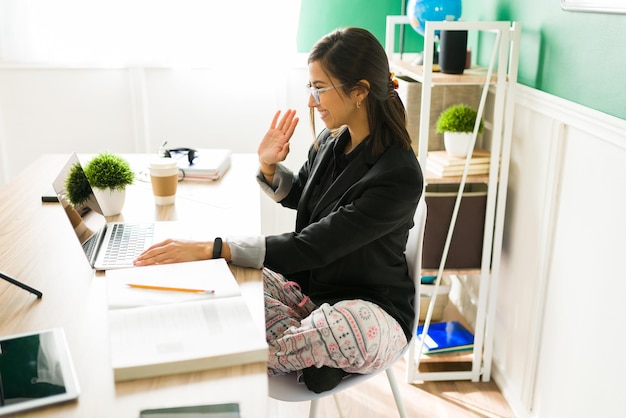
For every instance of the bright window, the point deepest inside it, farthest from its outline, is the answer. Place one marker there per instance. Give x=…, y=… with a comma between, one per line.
x=170, y=33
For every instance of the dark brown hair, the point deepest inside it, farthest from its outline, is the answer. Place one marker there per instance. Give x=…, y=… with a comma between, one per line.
x=354, y=54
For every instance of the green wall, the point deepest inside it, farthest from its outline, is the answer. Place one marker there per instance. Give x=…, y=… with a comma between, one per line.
x=580, y=57
x=319, y=17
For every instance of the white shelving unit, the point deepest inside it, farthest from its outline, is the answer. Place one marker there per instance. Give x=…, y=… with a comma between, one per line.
x=499, y=78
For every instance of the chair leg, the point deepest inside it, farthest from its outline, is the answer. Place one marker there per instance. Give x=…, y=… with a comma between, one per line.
x=391, y=376
x=313, y=408
x=338, y=405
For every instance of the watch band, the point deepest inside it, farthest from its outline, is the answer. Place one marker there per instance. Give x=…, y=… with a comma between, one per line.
x=217, y=247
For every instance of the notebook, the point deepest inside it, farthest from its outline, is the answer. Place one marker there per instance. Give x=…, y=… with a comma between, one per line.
x=208, y=164
x=108, y=245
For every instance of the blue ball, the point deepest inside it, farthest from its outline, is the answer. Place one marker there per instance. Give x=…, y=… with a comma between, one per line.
x=419, y=11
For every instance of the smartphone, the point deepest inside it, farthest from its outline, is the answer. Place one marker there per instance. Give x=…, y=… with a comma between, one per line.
x=49, y=196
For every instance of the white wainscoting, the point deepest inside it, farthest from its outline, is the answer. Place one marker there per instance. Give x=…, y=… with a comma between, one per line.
x=560, y=300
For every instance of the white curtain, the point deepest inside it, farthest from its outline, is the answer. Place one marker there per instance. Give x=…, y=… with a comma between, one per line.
x=129, y=33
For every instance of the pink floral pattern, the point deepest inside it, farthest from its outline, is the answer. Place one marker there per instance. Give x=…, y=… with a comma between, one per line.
x=355, y=335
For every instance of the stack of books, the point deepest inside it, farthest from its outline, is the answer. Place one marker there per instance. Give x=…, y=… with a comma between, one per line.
x=446, y=337
x=441, y=164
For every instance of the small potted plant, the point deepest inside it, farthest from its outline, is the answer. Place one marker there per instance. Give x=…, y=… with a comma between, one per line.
x=108, y=175
x=457, y=125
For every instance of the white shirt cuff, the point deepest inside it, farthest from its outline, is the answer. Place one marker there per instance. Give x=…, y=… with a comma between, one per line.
x=247, y=251
x=281, y=183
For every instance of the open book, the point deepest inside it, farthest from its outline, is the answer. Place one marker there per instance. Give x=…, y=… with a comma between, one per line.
x=157, y=332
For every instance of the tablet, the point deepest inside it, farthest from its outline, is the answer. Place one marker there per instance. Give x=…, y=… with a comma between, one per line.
x=35, y=370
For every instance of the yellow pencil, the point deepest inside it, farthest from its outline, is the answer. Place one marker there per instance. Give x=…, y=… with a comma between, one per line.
x=169, y=289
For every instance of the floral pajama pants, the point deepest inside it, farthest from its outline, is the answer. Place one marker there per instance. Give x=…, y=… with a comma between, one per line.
x=354, y=335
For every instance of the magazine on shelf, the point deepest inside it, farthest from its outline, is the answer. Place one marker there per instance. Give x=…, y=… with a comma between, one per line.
x=442, y=164
x=449, y=171
x=479, y=156
x=446, y=337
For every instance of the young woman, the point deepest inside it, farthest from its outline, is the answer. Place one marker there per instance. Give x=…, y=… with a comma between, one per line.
x=338, y=296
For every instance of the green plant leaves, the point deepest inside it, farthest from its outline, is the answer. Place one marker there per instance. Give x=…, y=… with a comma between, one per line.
x=110, y=171
x=458, y=118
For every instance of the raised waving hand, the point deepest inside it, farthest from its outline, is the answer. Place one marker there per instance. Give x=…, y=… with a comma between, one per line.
x=274, y=146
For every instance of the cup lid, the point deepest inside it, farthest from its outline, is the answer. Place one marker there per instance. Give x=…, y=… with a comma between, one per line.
x=163, y=163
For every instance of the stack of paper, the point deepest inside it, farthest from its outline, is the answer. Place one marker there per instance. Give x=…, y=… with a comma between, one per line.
x=169, y=328
x=441, y=164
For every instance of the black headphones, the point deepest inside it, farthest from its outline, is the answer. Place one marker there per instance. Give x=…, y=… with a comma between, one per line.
x=191, y=153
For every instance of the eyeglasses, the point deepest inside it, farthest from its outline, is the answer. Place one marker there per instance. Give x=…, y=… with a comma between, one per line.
x=316, y=92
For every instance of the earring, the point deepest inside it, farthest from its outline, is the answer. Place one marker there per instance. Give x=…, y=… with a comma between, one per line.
x=358, y=105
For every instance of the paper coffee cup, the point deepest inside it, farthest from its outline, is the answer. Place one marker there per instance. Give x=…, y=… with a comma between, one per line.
x=164, y=179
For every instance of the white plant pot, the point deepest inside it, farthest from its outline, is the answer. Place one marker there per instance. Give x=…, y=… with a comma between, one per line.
x=457, y=143
x=111, y=201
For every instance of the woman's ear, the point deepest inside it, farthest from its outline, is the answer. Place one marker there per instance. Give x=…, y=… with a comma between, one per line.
x=361, y=90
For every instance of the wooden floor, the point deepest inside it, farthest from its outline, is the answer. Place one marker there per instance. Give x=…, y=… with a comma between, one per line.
x=373, y=399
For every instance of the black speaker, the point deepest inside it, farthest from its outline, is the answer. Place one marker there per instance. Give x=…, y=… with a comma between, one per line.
x=452, y=51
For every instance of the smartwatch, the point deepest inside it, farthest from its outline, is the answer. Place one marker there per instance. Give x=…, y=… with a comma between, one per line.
x=217, y=247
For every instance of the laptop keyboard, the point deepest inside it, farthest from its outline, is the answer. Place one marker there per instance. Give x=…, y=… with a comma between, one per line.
x=90, y=245
x=127, y=242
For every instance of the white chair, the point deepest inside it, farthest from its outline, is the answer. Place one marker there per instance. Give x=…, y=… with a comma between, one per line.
x=286, y=388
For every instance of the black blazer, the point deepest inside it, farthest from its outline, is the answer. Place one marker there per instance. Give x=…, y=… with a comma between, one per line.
x=351, y=245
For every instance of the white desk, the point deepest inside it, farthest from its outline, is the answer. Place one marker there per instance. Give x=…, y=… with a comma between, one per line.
x=38, y=248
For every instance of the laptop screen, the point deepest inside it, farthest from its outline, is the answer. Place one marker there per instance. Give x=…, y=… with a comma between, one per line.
x=86, y=219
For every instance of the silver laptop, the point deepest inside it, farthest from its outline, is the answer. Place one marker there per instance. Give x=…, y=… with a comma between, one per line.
x=108, y=245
